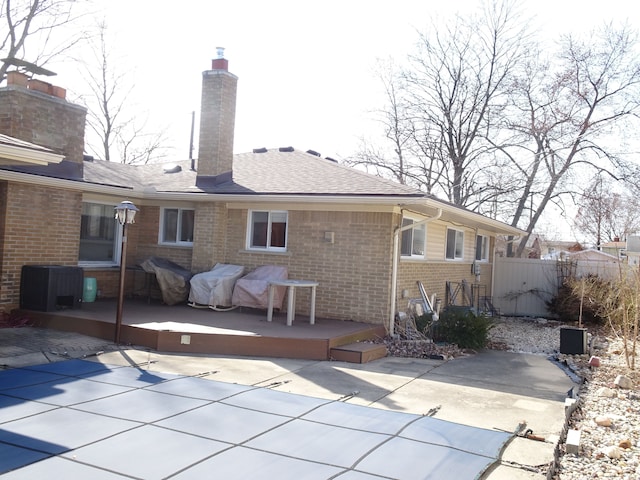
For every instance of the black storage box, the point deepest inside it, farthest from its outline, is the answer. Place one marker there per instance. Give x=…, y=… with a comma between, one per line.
x=573, y=341
x=51, y=287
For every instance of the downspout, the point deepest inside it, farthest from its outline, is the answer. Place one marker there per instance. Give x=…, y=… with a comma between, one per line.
x=475, y=268
x=396, y=262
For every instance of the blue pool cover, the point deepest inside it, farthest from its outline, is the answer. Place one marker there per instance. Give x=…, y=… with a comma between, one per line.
x=79, y=419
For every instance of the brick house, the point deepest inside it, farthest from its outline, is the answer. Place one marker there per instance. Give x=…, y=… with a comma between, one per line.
x=366, y=240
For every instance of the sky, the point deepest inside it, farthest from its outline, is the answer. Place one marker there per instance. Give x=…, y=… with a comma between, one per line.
x=306, y=69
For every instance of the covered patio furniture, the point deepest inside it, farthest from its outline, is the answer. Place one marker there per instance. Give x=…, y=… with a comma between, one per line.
x=214, y=289
x=252, y=290
x=172, y=279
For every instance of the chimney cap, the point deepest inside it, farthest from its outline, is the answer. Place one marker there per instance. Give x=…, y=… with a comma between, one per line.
x=220, y=63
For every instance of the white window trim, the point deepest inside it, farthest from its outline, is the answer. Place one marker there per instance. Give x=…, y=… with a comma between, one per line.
x=117, y=246
x=484, y=255
x=267, y=248
x=179, y=224
x=446, y=242
x=424, y=247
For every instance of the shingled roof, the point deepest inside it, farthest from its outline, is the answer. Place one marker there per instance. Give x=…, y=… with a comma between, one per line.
x=271, y=172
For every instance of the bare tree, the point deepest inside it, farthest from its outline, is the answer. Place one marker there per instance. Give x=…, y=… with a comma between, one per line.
x=567, y=113
x=618, y=301
x=108, y=95
x=605, y=215
x=118, y=134
x=138, y=145
x=457, y=85
x=33, y=30
x=395, y=129
x=499, y=125
x=406, y=161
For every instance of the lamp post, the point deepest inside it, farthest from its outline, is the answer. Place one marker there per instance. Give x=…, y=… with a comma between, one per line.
x=125, y=213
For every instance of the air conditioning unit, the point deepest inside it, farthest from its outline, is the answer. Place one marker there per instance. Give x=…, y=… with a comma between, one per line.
x=51, y=287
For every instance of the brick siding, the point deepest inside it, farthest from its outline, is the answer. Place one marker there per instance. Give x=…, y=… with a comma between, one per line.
x=217, y=122
x=354, y=272
x=44, y=120
x=41, y=227
x=209, y=236
x=146, y=231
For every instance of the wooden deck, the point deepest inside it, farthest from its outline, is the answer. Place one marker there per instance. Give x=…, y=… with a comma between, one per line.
x=183, y=329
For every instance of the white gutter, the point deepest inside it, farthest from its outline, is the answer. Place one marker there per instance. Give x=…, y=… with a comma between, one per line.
x=396, y=261
x=496, y=226
x=12, y=155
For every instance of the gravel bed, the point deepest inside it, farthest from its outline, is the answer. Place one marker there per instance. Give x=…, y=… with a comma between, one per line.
x=607, y=415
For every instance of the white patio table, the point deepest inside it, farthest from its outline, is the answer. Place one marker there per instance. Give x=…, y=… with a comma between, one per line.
x=291, y=298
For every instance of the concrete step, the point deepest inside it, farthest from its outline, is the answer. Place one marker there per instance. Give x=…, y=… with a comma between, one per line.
x=360, y=352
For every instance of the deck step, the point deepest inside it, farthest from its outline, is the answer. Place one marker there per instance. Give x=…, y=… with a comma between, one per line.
x=360, y=352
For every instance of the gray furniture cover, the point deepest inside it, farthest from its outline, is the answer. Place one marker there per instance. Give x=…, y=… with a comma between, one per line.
x=214, y=288
x=252, y=290
x=172, y=279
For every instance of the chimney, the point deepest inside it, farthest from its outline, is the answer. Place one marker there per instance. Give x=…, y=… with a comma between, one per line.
x=217, y=123
x=36, y=111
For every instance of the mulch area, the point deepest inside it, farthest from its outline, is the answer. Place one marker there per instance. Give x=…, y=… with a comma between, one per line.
x=14, y=320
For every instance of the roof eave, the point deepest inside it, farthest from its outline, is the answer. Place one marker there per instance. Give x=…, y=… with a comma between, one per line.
x=420, y=203
x=455, y=214
x=14, y=155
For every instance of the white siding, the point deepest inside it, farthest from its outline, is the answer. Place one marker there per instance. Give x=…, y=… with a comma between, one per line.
x=436, y=234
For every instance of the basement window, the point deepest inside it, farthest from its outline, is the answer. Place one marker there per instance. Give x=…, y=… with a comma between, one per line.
x=267, y=230
x=176, y=226
x=413, y=240
x=455, y=244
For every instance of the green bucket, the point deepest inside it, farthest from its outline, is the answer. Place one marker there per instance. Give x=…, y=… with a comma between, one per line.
x=90, y=290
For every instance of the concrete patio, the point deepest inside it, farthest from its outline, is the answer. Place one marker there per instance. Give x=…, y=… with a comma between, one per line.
x=492, y=391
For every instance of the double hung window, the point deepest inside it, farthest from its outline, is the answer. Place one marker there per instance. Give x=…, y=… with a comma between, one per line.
x=267, y=230
x=176, y=226
x=455, y=244
x=413, y=242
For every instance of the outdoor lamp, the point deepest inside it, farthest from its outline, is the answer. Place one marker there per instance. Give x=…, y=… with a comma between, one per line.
x=125, y=214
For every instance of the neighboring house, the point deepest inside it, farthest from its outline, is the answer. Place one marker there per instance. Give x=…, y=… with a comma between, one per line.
x=616, y=248
x=554, y=247
x=538, y=247
x=633, y=250
x=593, y=255
x=366, y=240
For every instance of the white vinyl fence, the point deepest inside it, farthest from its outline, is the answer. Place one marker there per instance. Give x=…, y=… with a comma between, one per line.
x=522, y=286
